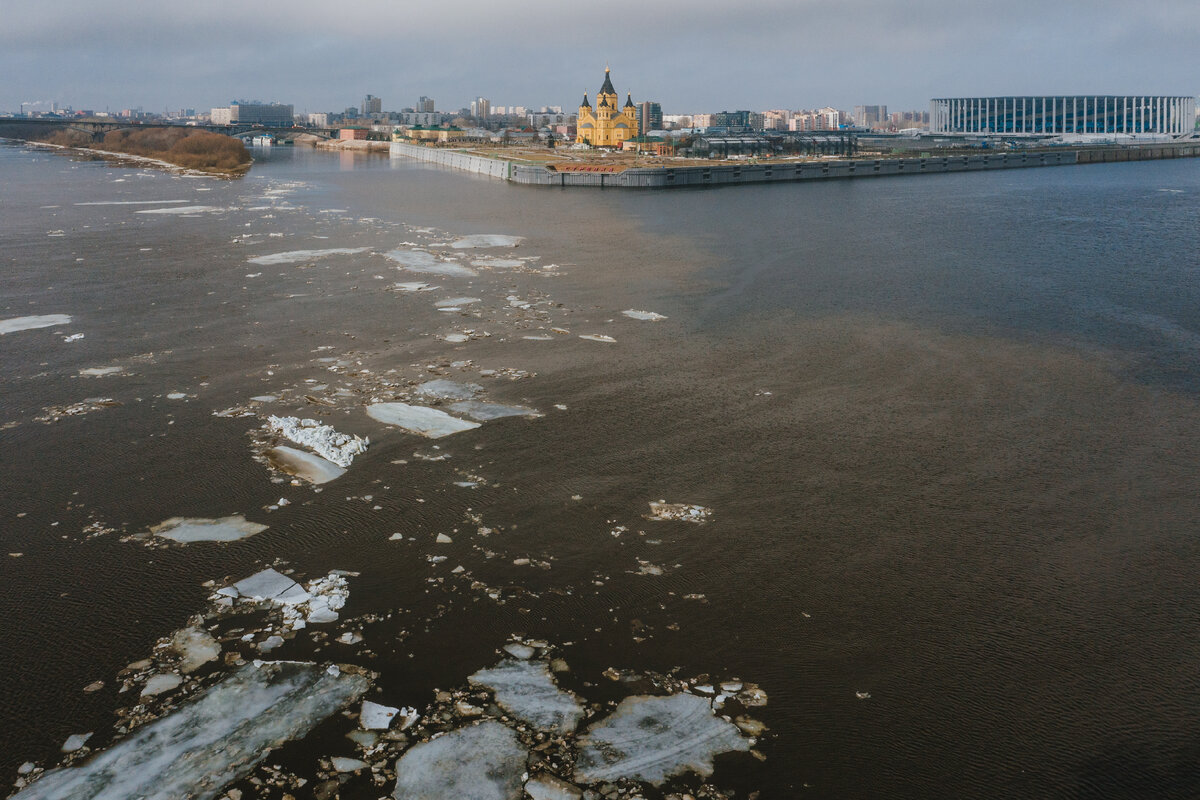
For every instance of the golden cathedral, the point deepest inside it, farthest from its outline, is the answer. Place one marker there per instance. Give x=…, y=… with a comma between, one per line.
x=606, y=126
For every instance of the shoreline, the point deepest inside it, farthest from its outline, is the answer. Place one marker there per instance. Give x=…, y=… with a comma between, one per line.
x=113, y=155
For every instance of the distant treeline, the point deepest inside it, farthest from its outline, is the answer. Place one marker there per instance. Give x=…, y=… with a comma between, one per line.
x=185, y=147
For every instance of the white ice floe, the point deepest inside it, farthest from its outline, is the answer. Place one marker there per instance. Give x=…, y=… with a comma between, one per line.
x=163, y=682
x=197, y=529
x=547, y=787
x=645, y=316
x=419, y=419
x=305, y=466
x=449, y=390
x=652, y=738
x=293, y=256
x=414, y=286
x=100, y=372
x=423, y=261
x=456, y=338
x=597, y=337
x=343, y=764
x=456, y=302
x=498, y=263
x=527, y=690
x=210, y=742
x=318, y=603
x=340, y=448
x=181, y=210
x=481, y=762
x=483, y=412
x=75, y=741
x=74, y=337
x=486, y=240
x=376, y=717
x=681, y=512
x=14, y=324
x=195, y=647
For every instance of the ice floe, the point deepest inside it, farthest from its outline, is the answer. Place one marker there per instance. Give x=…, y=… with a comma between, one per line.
x=449, y=390
x=419, y=419
x=294, y=256
x=456, y=302
x=132, y=202
x=483, y=412
x=196, y=529
x=497, y=263
x=597, y=337
x=481, y=762
x=547, y=787
x=318, y=603
x=374, y=716
x=100, y=372
x=14, y=324
x=527, y=690
x=414, y=286
x=681, y=512
x=653, y=738
x=181, y=210
x=423, y=261
x=306, y=466
x=645, y=316
x=212, y=741
x=486, y=240
x=339, y=448
x=195, y=647
x=161, y=683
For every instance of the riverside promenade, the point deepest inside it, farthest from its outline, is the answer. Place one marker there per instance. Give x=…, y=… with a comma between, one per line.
x=724, y=173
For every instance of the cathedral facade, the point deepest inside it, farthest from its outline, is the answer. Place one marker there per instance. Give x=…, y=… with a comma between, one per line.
x=606, y=126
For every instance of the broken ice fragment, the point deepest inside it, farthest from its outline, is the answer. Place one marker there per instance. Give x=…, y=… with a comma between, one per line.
x=196, y=647
x=645, y=316
x=652, y=738
x=343, y=764
x=374, y=716
x=14, y=324
x=518, y=650
x=419, y=419
x=456, y=301
x=180, y=210
x=196, y=529
x=415, y=286
x=306, y=466
x=340, y=448
x=268, y=585
x=75, y=741
x=527, y=690
x=680, y=512
x=486, y=240
x=449, y=390
x=293, y=256
x=547, y=787
x=488, y=411
x=100, y=372
x=597, y=337
x=158, y=684
x=211, y=741
x=421, y=261
x=482, y=762
x=456, y=338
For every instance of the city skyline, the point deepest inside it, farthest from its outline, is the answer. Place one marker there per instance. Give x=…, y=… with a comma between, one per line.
x=691, y=58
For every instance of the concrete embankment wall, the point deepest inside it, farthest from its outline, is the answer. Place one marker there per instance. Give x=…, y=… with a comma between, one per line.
x=492, y=167
x=724, y=173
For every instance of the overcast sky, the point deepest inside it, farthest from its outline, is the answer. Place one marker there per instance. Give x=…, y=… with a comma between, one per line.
x=692, y=56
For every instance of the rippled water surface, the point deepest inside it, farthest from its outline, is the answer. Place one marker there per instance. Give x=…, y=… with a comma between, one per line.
x=947, y=428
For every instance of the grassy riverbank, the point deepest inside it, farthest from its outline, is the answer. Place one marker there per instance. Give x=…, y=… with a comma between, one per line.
x=183, y=147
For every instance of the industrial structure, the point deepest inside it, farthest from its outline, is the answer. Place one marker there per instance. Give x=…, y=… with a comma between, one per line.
x=255, y=113
x=1078, y=114
x=606, y=126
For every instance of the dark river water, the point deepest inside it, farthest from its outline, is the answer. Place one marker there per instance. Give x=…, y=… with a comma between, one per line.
x=946, y=426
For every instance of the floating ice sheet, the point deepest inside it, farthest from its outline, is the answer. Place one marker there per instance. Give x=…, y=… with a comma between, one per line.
x=181, y=210
x=131, y=202
x=597, y=337
x=449, y=390
x=100, y=372
x=197, y=529
x=652, y=738
x=196, y=647
x=419, y=419
x=483, y=762
x=645, y=316
x=497, y=263
x=456, y=301
x=340, y=448
x=681, y=512
x=293, y=256
x=210, y=742
x=483, y=412
x=486, y=240
x=422, y=261
x=14, y=324
x=548, y=787
x=527, y=690
x=306, y=466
